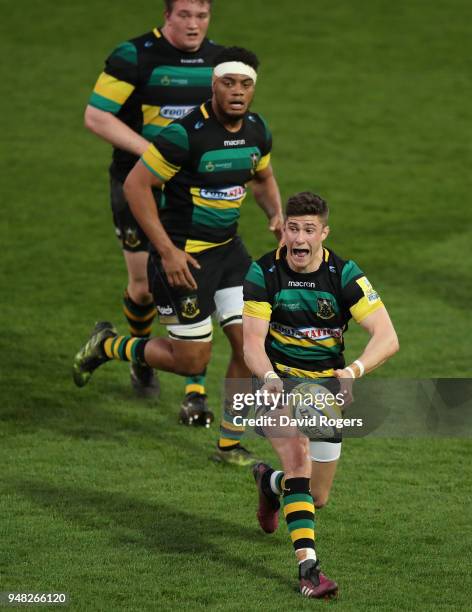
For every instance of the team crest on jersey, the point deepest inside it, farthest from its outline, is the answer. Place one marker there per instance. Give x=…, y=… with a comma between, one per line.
x=325, y=308
x=189, y=306
x=131, y=237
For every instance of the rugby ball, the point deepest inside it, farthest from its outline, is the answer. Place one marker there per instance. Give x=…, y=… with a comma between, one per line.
x=315, y=410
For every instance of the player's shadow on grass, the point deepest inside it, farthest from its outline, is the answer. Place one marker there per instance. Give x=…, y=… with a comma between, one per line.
x=156, y=526
x=84, y=419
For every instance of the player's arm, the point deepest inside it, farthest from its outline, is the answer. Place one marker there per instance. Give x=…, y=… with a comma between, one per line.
x=382, y=345
x=138, y=190
x=111, y=129
x=267, y=195
x=113, y=88
x=254, y=334
x=257, y=314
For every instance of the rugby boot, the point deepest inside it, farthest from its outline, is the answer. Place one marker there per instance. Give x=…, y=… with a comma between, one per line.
x=269, y=505
x=144, y=380
x=91, y=355
x=194, y=410
x=237, y=455
x=313, y=583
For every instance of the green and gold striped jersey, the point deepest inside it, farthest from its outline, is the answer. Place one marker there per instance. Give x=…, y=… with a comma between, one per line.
x=205, y=169
x=147, y=83
x=308, y=313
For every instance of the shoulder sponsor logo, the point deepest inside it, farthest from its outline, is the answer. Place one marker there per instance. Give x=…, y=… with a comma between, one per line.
x=332, y=269
x=251, y=118
x=307, y=284
x=227, y=193
x=175, y=112
x=254, y=160
x=199, y=125
x=367, y=289
x=148, y=44
x=234, y=143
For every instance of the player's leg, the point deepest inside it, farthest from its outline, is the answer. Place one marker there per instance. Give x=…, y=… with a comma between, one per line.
x=105, y=344
x=138, y=306
x=229, y=307
x=229, y=304
x=325, y=456
x=299, y=513
x=139, y=311
x=194, y=409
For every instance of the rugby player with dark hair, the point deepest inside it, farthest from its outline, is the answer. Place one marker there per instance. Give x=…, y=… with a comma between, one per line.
x=148, y=82
x=298, y=300
x=198, y=262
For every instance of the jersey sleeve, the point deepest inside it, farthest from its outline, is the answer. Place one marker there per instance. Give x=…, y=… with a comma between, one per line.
x=256, y=300
x=118, y=80
x=169, y=151
x=266, y=147
x=358, y=294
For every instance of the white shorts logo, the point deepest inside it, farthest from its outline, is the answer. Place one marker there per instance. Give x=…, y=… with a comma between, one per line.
x=165, y=310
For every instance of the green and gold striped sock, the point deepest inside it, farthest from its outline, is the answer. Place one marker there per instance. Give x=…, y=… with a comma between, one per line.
x=231, y=434
x=299, y=511
x=139, y=316
x=195, y=384
x=126, y=348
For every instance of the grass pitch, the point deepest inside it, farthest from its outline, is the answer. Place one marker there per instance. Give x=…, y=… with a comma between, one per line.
x=107, y=498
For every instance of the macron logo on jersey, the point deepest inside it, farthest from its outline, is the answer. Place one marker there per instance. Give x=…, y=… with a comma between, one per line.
x=197, y=60
x=310, y=285
x=234, y=143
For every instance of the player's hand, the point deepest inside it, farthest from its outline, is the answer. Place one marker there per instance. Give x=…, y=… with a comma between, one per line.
x=175, y=264
x=275, y=225
x=273, y=386
x=346, y=382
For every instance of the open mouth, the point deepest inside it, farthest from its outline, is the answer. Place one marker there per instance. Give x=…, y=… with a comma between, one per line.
x=236, y=105
x=300, y=254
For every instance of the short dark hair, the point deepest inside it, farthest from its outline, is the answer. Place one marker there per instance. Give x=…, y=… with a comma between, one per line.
x=237, y=54
x=170, y=4
x=307, y=203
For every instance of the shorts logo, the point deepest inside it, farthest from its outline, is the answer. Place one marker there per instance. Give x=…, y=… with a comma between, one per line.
x=325, y=308
x=165, y=310
x=131, y=237
x=228, y=193
x=175, y=112
x=189, y=306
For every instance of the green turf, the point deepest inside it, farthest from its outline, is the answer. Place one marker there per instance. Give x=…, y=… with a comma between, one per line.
x=109, y=499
